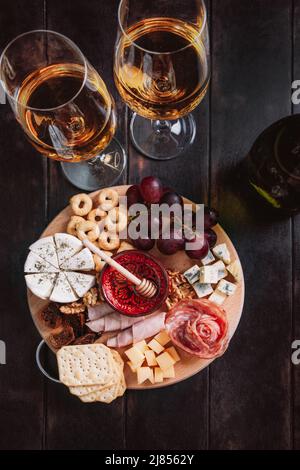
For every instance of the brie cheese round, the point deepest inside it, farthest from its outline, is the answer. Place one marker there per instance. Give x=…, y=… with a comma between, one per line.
x=53, y=268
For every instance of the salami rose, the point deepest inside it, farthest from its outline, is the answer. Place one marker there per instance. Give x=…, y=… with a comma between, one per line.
x=199, y=327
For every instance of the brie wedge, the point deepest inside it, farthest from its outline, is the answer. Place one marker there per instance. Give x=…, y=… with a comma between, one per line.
x=45, y=248
x=80, y=282
x=35, y=264
x=41, y=284
x=66, y=246
x=82, y=261
x=62, y=292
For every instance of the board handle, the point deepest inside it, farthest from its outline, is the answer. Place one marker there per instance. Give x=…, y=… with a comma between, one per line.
x=39, y=364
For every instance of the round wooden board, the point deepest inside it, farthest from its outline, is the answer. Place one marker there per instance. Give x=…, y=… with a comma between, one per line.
x=189, y=365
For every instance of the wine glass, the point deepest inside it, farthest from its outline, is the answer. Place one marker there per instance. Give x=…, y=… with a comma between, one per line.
x=162, y=71
x=63, y=106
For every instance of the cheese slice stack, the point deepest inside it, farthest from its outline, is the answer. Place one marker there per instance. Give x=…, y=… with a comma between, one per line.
x=54, y=268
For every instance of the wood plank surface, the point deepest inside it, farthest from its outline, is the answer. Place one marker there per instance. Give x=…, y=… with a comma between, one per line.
x=156, y=414
x=22, y=179
x=251, y=385
x=295, y=334
x=71, y=424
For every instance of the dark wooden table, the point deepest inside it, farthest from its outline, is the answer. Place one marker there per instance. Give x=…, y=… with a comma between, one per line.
x=248, y=399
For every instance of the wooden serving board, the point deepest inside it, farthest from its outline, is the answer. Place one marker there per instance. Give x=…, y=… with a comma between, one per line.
x=189, y=365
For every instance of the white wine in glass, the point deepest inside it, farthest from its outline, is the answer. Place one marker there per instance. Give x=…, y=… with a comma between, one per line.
x=63, y=106
x=162, y=71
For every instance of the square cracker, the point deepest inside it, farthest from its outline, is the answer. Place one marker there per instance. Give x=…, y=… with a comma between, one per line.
x=85, y=364
x=117, y=372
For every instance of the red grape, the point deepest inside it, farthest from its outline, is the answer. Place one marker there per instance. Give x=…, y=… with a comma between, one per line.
x=198, y=253
x=211, y=237
x=171, y=198
x=211, y=217
x=144, y=244
x=172, y=244
x=133, y=195
x=151, y=189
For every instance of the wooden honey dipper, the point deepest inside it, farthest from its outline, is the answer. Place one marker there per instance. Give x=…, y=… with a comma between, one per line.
x=144, y=287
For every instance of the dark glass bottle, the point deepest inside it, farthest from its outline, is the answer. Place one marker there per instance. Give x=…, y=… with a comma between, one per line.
x=273, y=165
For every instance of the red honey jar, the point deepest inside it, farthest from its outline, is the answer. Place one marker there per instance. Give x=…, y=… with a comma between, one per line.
x=122, y=295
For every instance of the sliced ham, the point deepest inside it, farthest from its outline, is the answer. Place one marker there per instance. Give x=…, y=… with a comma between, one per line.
x=99, y=311
x=148, y=327
x=112, y=322
x=96, y=325
x=143, y=328
x=112, y=342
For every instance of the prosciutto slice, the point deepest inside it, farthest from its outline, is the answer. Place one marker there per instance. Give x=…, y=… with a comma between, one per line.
x=199, y=327
x=143, y=328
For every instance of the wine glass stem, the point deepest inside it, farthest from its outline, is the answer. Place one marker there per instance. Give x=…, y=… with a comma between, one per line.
x=161, y=126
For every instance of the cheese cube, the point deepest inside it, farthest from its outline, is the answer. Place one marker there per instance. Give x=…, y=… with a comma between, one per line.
x=150, y=358
x=135, y=356
x=141, y=346
x=209, y=258
x=173, y=353
x=202, y=289
x=221, y=251
x=235, y=270
x=217, y=297
x=192, y=274
x=221, y=268
x=143, y=373
x=169, y=373
x=151, y=376
x=226, y=287
x=134, y=367
x=165, y=361
x=162, y=338
x=155, y=346
x=208, y=275
x=158, y=375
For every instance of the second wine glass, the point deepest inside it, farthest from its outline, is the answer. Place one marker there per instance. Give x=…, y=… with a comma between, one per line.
x=162, y=71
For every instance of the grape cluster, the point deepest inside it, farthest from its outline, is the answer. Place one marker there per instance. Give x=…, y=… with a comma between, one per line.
x=151, y=191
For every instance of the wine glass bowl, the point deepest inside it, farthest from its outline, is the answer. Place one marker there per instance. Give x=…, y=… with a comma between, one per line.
x=61, y=102
x=162, y=71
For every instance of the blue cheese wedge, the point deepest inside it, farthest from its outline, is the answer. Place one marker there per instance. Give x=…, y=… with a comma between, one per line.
x=221, y=251
x=202, y=290
x=217, y=297
x=226, y=287
x=235, y=270
x=35, y=264
x=221, y=268
x=209, y=258
x=82, y=261
x=45, y=248
x=208, y=275
x=41, y=284
x=63, y=292
x=192, y=274
x=66, y=246
x=80, y=282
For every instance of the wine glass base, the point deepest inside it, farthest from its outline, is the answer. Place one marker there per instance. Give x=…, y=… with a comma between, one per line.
x=101, y=171
x=162, y=140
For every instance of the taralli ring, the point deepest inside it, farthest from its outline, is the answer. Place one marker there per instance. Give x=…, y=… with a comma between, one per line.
x=96, y=215
x=81, y=204
x=109, y=241
x=87, y=229
x=73, y=222
x=108, y=199
x=116, y=220
x=99, y=262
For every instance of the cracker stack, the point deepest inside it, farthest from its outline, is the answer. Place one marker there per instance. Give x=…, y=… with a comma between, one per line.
x=93, y=372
